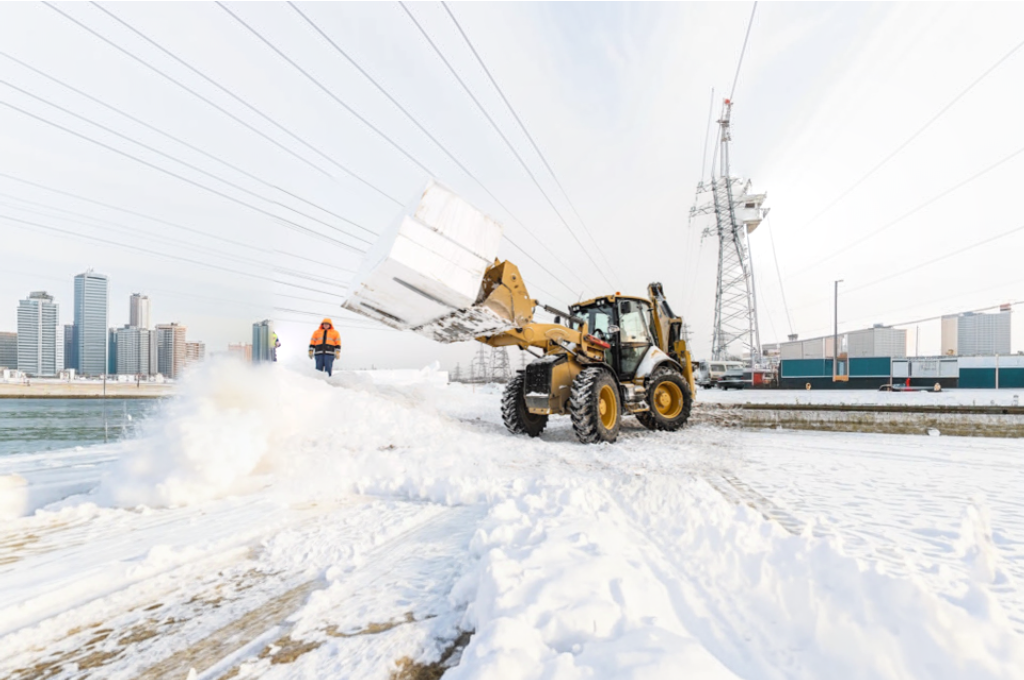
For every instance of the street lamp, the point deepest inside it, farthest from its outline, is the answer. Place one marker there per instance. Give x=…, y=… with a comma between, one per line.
x=835, y=334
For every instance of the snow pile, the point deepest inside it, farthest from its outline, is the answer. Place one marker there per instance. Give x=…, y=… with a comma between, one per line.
x=214, y=439
x=13, y=496
x=406, y=502
x=652, y=578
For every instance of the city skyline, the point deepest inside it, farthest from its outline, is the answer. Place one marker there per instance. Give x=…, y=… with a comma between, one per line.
x=91, y=340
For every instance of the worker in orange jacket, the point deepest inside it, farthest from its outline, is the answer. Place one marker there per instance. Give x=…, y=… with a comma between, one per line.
x=325, y=346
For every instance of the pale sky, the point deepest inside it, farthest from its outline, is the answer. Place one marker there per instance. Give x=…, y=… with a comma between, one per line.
x=615, y=95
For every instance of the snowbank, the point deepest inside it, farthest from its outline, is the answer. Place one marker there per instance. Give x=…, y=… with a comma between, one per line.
x=566, y=561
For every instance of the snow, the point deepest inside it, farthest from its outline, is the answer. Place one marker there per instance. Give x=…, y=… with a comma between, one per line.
x=429, y=266
x=282, y=524
x=950, y=397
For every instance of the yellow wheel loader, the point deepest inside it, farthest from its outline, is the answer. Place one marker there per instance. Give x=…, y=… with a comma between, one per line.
x=601, y=360
x=435, y=273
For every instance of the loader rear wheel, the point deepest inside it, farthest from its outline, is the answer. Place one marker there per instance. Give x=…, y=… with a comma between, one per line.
x=517, y=417
x=669, y=396
x=594, y=406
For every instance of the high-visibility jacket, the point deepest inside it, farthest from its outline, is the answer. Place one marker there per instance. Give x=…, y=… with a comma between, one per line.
x=325, y=340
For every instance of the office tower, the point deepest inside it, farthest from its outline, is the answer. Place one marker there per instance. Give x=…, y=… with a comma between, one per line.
x=983, y=334
x=38, y=340
x=112, y=351
x=242, y=350
x=8, y=350
x=138, y=312
x=194, y=352
x=171, y=352
x=135, y=350
x=91, y=323
x=262, y=331
x=70, y=347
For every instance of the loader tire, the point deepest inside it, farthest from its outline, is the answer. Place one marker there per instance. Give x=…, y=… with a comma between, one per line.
x=594, y=406
x=670, y=400
x=517, y=417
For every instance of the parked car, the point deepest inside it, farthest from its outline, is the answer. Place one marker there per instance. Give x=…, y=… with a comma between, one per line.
x=733, y=379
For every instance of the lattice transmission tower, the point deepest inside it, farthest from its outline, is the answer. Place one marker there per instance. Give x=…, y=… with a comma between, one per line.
x=501, y=371
x=737, y=212
x=479, y=369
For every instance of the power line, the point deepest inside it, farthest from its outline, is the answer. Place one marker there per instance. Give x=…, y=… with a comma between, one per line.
x=120, y=228
x=912, y=137
x=505, y=139
x=904, y=271
x=314, y=290
x=526, y=132
x=189, y=165
x=183, y=86
x=118, y=244
x=249, y=106
x=925, y=204
x=323, y=88
x=324, y=264
x=743, y=51
x=380, y=88
x=778, y=273
x=303, y=275
x=707, y=136
x=178, y=140
x=293, y=225
x=958, y=251
x=136, y=214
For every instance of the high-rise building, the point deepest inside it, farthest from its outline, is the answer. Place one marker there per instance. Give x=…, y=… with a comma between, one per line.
x=70, y=347
x=40, y=347
x=242, y=350
x=112, y=351
x=138, y=313
x=194, y=352
x=983, y=334
x=8, y=350
x=135, y=351
x=949, y=334
x=262, y=332
x=91, y=323
x=171, y=349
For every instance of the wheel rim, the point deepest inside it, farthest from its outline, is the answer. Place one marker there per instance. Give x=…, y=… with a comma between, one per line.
x=607, y=407
x=668, y=399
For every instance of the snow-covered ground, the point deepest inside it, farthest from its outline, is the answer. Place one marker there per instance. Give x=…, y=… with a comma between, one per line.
x=281, y=525
x=950, y=397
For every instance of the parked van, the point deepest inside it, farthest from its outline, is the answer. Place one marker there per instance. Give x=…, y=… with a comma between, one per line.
x=711, y=372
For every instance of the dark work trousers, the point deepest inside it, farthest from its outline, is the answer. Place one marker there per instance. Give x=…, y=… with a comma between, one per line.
x=325, y=362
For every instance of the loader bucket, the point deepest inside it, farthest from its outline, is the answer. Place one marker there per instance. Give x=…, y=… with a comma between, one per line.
x=428, y=273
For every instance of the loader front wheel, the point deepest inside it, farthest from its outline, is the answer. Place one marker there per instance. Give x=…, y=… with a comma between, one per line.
x=670, y=400
x=594, y=406
x=517, y=417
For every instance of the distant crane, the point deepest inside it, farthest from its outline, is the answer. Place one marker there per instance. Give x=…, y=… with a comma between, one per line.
x=737, y=213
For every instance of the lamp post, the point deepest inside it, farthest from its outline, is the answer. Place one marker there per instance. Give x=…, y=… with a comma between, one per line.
x=835, y=329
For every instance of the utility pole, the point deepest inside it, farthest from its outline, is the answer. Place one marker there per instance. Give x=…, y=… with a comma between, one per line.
x=835, y=329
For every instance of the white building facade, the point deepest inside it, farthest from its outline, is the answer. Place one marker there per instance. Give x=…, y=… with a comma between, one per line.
x=40, y=346
x=92, y=337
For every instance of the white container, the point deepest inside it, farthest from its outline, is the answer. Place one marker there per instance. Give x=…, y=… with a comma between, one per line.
x=428, y=266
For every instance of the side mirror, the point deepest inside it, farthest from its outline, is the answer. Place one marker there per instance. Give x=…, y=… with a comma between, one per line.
x=614, y=329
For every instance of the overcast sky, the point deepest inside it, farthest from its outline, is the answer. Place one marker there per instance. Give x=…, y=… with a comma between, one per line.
x=227, y=199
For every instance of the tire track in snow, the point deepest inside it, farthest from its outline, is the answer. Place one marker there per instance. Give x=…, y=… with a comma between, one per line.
x=250, y=638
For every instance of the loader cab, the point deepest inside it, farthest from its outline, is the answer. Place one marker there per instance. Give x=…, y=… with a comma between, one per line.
x=626, y=323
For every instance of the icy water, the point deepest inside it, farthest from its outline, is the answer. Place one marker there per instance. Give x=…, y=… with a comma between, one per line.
x=31, y=425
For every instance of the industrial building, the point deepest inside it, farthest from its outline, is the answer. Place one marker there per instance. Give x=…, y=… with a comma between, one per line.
x=972, y=335
x=925, y=372
x=877, y=341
